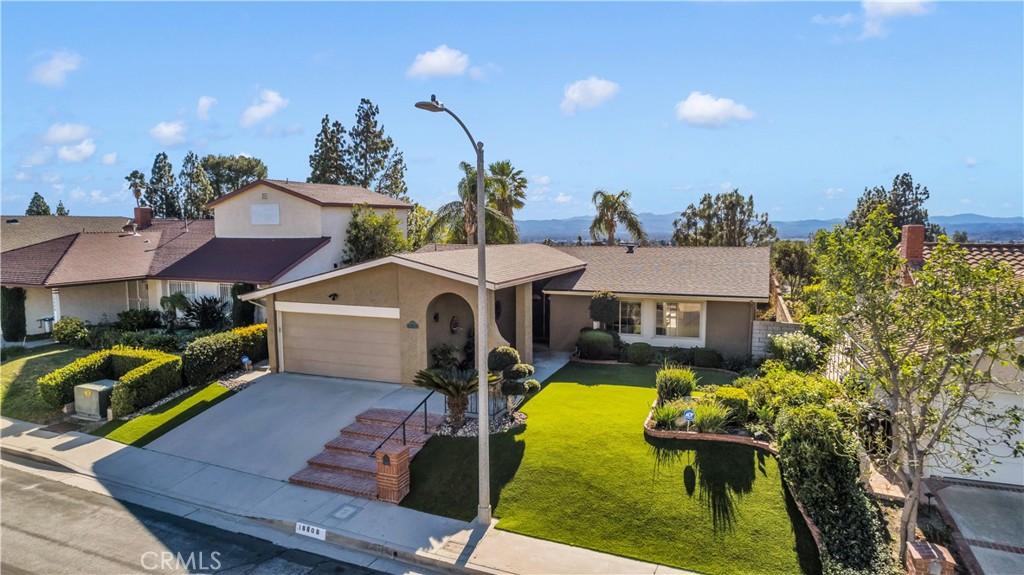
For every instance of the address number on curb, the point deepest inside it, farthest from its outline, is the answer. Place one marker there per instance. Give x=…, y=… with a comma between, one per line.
x=311, y=531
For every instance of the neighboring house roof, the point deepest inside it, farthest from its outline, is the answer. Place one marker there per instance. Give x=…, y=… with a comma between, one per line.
x=251, y=260
x=323, y=194
x=1012, y=254
x=177, y=243
x=31, y=265
x=730, y=272
x=98, y=258
x=19, y=231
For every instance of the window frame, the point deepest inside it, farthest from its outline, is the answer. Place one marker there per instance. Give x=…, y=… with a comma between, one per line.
x=660, y=309
x=639, y=318
x=187, y=294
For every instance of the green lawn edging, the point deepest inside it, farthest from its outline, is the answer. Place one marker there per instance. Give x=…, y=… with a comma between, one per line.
x=146, y=428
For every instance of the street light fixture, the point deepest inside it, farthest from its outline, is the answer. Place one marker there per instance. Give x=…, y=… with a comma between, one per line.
x=483, y=514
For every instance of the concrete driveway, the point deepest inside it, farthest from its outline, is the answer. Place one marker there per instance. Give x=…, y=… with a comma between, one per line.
x=990, y=520
x=273, y=426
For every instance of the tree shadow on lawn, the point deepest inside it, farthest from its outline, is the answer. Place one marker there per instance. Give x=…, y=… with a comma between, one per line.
x=444, y=474
x=163, y=427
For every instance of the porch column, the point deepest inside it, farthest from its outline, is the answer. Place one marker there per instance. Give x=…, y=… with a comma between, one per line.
x=55, y=297
x=524, y=321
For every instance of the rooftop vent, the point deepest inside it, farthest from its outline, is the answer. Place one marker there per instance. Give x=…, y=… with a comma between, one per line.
x=630, y=248
x=11, y=221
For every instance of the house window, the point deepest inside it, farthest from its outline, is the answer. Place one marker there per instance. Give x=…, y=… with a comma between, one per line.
x=629, y=317
x=264, y=214
x=678, y=319
x=188, y=289
x=224, y=290
x=138, y=294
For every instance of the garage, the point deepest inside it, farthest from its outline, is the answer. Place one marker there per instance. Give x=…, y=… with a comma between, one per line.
x=351, y=346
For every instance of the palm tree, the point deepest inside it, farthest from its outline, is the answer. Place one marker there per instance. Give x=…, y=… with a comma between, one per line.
x=455, y=384
x=507, y=187
x=455, y=222
x=613, y=209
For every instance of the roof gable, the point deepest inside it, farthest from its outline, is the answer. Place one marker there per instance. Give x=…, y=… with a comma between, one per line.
x=329, y=195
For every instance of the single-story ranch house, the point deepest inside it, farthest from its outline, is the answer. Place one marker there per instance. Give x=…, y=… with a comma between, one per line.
x=381, y=319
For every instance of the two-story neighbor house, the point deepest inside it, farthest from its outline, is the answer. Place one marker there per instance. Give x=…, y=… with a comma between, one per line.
x=95, y=267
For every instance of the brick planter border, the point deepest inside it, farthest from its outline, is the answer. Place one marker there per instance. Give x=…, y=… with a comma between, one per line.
x=650, y=431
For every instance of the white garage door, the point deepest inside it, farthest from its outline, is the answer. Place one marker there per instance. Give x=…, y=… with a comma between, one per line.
x=342, y=346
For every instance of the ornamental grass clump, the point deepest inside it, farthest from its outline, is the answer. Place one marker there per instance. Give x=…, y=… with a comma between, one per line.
x=674, y=382
x=710, y=416
x=665, y=416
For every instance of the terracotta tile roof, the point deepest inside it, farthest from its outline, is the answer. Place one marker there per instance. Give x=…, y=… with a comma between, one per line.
x=505, y=263
x=324, y=194
x=20, y=231
x=1012, y=254
x=685, y=271
x=251, y=260
x=31, y=265
x=103, y=257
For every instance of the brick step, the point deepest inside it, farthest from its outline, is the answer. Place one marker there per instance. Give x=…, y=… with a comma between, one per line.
x=362, y=447
x=379, y=432
x=337, y=481
x=393, y=417
x=354, y=463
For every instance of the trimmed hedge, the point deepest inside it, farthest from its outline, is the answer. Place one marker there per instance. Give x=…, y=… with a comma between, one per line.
x=208, y=357
x=736, y=400
x=674, y=383
x=12, y=313
x=518, y=371
x=640, y=353
x=596, y=344
x=144, y=376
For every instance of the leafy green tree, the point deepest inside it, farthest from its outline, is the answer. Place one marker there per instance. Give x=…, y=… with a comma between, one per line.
x=726, y=219
x=926, y=348
x=612, y=210
x=419, y=220
x=161, y=192
x=455, y=222
x=196, y=190
x=960, y=237
x=507, y=187
x=137, y=184
x=392, y=180
x=328, y=163
x=792, y=261
x=37, y=206
x=373, y=235
x=904, y=201
x=228, y=173
x=61, y=210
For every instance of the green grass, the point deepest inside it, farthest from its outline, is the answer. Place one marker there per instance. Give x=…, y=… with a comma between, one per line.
x=148, y=427
x=19, y=396
x=582, y=473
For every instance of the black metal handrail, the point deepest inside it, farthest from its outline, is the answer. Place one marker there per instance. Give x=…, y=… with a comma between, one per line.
x=426, y=424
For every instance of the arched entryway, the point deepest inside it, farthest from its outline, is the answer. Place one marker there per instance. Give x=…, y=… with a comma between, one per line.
x=449, y=327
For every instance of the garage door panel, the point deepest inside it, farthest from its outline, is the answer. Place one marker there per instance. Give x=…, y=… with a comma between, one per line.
x=342, y=346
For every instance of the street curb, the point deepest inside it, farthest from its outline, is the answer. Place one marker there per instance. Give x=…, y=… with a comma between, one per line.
x=343, y=541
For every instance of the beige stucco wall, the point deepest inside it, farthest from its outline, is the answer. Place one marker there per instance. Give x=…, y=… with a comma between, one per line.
x=729, y=327
x=94, y=303
x=299, y=218
x=439, y=332
x=569, y=314
x=38, y=304
x=507, y=321
x=392, y=285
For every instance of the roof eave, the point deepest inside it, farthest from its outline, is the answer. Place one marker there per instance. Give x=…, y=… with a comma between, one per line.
x=721, y=297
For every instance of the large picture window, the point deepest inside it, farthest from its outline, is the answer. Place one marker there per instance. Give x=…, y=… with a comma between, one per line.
x=188, y=289
x=678, y=319
x=629, y=317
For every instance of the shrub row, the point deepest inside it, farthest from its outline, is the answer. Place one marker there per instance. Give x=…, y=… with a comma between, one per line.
x=144, y=376
x=600, y=344
x=208, y=357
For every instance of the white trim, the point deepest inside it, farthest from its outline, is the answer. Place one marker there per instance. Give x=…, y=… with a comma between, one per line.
x=662, y=297
x=332, y=309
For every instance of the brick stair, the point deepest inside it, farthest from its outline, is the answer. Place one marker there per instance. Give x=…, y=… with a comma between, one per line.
x=345, y=465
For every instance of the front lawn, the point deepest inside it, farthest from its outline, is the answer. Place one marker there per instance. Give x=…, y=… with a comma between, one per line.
x=582, y=473
x=146, y=428
x=19, y=396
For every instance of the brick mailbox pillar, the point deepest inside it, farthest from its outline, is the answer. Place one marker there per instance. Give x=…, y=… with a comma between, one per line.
x=392, y=473
x=924, y=558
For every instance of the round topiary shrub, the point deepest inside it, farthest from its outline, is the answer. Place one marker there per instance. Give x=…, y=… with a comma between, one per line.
x=596, y=344
x=674, y=382
x=501, y=358
x=71, y=331
x=640, y=353
x=736, y=400
x=518, y=371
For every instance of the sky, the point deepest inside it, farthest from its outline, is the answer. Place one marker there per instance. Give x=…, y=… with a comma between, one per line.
x=802, y=105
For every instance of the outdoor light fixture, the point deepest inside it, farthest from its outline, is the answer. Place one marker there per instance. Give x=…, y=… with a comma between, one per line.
x=483, y=414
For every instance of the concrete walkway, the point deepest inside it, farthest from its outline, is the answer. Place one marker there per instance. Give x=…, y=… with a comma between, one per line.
x=246, y=502
x=989, y=519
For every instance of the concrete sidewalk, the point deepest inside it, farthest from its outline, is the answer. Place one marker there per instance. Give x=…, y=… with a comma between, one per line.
x=178, y=485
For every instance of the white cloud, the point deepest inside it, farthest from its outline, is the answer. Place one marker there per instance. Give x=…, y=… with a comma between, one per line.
x=110, y=159
x=204, y=105
x=832, y=193
x=842, y=21
x=970, y=162
x=441, y=61
x=54, y=70
x=66, y=133
x=588, y=93
x=268, y=104
x=562, y=198
x=168, y=133
x=542, y=181
x=877, y=13
x=38, y=157
x=22, y=176
x=94, y=196
x=79, y=152
x=705, y=110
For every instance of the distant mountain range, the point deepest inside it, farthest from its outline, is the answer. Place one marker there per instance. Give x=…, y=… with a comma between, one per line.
x=659, y=227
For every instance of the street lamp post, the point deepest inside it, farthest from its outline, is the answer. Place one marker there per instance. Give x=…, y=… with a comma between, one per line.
x=483, y=514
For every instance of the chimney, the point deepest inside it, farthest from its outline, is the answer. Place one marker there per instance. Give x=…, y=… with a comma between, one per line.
x=143, y=217
x=912, y=244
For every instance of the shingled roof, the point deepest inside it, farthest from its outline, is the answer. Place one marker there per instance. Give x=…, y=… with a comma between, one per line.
x=505, y=263
x=19, y=231
x=250, y=260
x=323, y=194
x=733, y=272
x=31, y=265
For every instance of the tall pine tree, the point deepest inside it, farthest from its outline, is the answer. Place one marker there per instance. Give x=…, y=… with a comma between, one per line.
x=392, y=181
x=61, y=210
x=196, y=190
x=161, y=192
x=327, y=162
x=374, y=162
x=37, y=206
